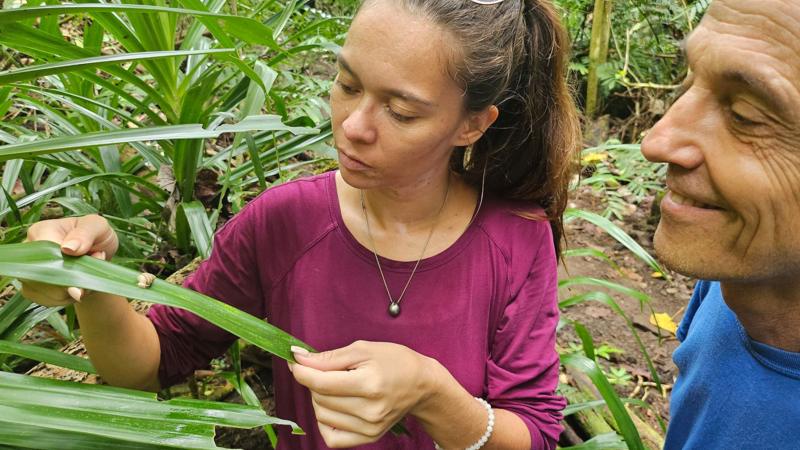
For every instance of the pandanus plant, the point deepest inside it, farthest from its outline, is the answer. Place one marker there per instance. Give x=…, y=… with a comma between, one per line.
x=116, y=108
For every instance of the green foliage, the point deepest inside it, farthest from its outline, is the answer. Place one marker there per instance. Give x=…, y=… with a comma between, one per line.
x=41, y=414
x=119, y=113
x=618, y=376
x=621, y=177
x=645, y=44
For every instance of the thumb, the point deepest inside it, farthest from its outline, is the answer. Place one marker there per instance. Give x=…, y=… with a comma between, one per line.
x=344, y=358
x=90, y=234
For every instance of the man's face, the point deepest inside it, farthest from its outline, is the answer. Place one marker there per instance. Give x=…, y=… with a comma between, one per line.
x=732, y=141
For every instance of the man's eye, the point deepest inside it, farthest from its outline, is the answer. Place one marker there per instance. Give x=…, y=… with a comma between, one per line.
x=743, y=118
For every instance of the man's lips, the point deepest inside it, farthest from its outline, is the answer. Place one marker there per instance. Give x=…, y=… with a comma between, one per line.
x=686, y=200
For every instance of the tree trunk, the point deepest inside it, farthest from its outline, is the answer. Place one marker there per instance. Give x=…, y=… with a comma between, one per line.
x=598, y=52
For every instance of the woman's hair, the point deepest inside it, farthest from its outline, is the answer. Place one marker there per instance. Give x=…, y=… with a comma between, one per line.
x=514, y=55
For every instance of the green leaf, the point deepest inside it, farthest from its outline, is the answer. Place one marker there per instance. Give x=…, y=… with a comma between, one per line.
x=43, y=261
x=283, y=19
x=257, y=166
x=608, y=300
x=607, y=441
x=47, y=355
x=11, y=172
x=14, y=308
x=591, y=281
x=60, y=67
x=95, y=413
x=244, y=28
x=616, y=232
x=194, y=213
x=170, y=132
x=623, y=419
x=57, y=187
x=591, y=253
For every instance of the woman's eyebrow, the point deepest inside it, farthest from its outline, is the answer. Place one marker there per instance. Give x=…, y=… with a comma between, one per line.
x=405, y=95
x=342, y=62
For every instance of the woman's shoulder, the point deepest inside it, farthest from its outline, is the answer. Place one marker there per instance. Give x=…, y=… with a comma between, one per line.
x=518, y=230
x=508, y=221
x=308, y=189
x=289, y=214
x=305, y=198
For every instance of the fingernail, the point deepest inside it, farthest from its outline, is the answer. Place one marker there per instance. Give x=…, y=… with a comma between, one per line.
x=71, y=245
x=291, y=367
x=75, y=293
x=299, y=351
x=100, y=255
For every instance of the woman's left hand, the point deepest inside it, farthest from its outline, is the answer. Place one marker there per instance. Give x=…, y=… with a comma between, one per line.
x=360, y=391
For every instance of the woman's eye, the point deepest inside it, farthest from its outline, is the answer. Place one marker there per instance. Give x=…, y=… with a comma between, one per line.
x=347, y=89
x=402, y=118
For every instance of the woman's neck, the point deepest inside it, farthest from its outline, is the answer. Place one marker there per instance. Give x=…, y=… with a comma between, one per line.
x=412, y=206
x=401, y=219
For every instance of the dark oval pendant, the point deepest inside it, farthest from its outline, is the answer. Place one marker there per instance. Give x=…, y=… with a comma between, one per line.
x=394, y=309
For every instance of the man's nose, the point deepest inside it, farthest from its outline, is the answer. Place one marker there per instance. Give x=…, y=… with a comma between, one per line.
x=359, y=125
x=677, y=138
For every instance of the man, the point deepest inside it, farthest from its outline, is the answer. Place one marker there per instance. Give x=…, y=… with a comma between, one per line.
x=732, y=213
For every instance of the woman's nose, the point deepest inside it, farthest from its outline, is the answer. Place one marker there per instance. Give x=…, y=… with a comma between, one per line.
x=678, y=138
x=359, y=124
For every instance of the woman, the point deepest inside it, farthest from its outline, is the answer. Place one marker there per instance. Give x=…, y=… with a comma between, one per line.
x=425, y=266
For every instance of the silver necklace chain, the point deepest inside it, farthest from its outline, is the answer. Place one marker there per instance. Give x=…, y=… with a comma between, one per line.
x=394, y=305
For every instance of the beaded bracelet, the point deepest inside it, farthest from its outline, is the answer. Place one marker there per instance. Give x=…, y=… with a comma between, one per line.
x=486, y=434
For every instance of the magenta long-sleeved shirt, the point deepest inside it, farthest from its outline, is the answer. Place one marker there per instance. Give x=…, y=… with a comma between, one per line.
x=485, y=308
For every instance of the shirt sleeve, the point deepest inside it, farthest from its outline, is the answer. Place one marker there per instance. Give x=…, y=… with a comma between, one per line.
x=524, y=366
x=230, y=275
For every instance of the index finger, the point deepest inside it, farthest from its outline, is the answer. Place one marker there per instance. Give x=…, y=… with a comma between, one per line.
x=50, y=230
x=336, y=383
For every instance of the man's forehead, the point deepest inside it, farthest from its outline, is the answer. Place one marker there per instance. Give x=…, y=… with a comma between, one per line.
x=753, y=47
x=763, y=31
x=774, y=20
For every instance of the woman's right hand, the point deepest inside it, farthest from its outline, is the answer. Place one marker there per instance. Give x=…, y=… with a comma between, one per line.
x=77, y=236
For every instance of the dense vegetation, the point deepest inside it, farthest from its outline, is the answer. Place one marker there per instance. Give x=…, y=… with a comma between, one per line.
x=168, y=116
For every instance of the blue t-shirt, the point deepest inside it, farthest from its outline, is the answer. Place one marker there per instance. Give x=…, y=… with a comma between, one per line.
x=732, y=392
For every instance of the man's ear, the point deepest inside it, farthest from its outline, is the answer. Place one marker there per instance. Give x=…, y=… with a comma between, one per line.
x=475, y=125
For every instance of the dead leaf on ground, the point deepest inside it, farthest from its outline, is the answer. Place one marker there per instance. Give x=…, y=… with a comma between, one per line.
x=664, y=321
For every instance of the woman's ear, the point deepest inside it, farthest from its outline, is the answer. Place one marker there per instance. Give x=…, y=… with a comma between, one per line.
x=475, y=125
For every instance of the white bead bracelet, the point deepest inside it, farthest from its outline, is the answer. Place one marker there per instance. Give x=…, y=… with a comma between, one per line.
x=489, y=428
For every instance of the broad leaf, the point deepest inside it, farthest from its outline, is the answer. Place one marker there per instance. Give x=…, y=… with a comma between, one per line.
x=43, y=261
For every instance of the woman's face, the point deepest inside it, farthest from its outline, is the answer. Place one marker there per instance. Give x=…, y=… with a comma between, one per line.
x=397, y=114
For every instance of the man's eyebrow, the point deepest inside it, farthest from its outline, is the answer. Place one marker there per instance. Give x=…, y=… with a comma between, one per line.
x=405, y=95
x=755, y=86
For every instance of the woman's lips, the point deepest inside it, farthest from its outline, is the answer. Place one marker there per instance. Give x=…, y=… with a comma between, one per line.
x=351, y=163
